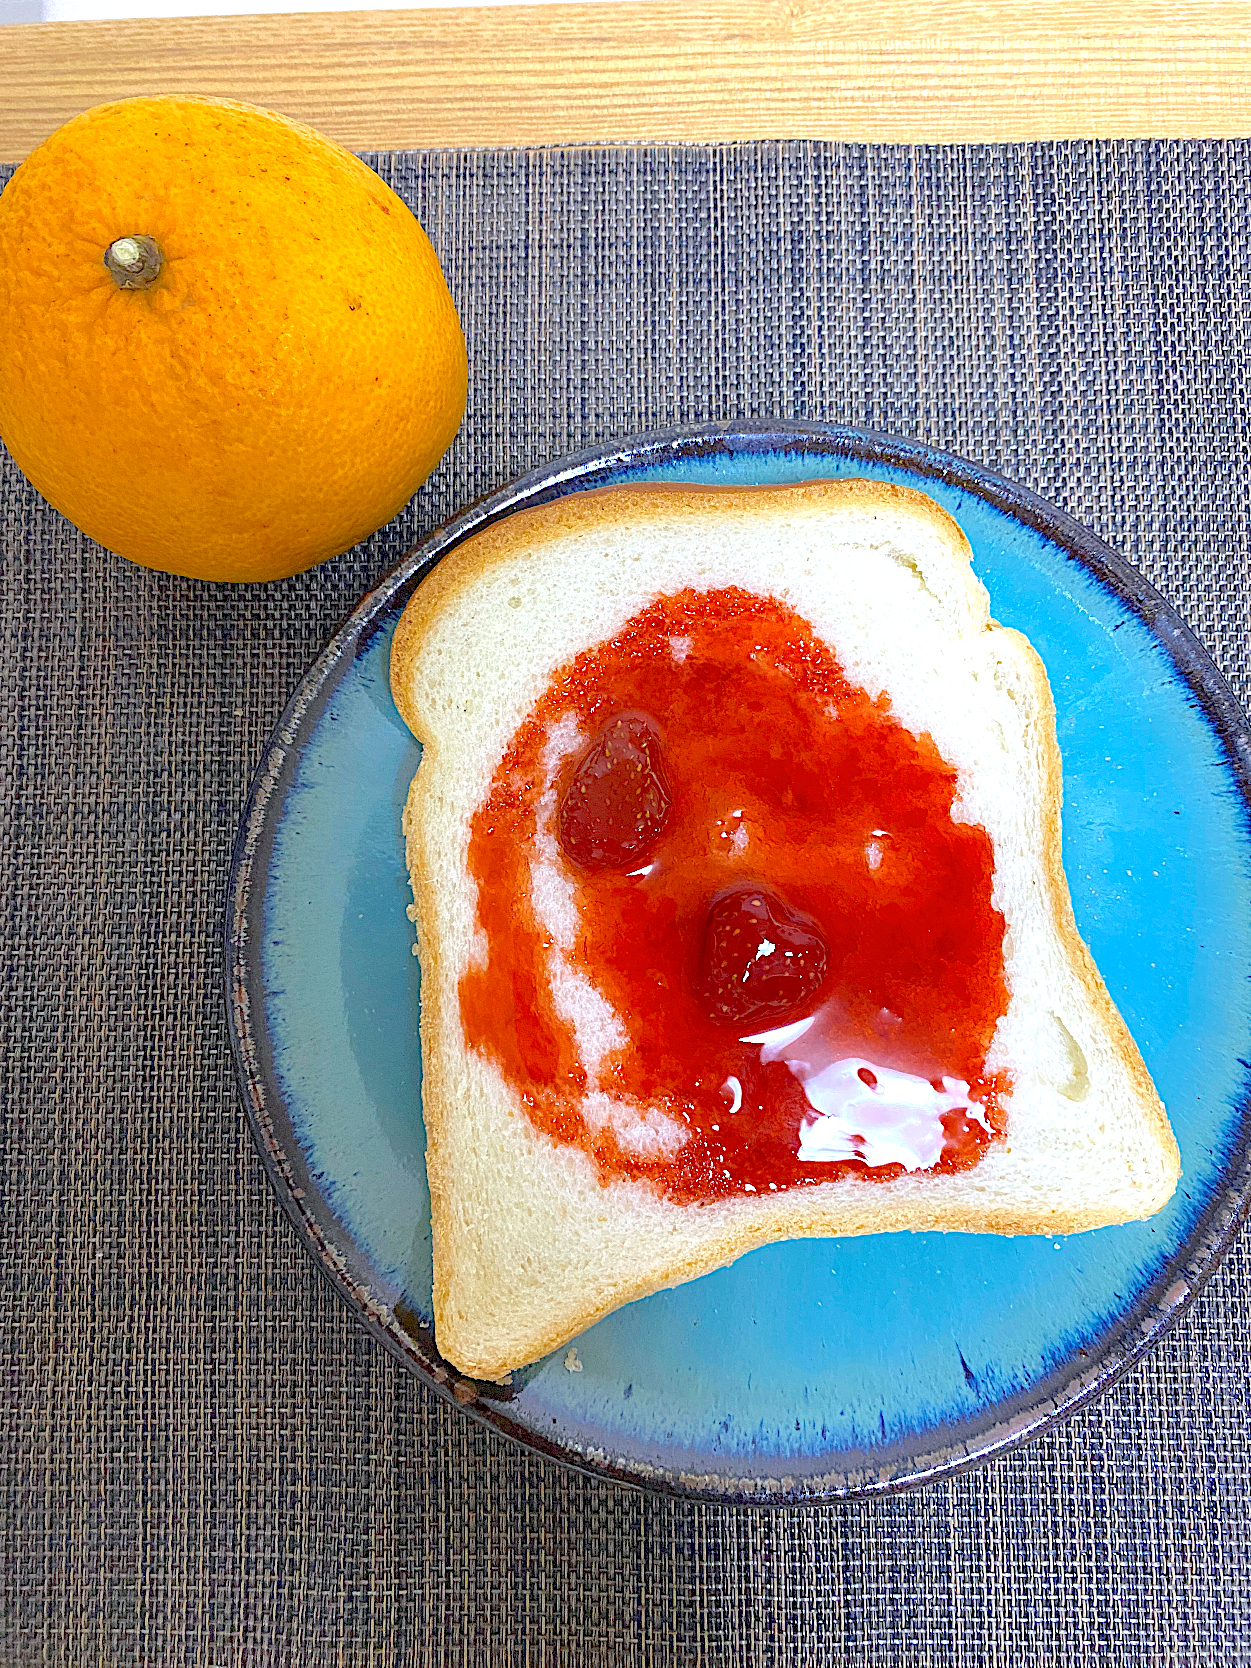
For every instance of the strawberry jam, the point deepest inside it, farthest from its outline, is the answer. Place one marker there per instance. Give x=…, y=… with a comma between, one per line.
x=735, y=941
x=617, y=804
x=760, y=960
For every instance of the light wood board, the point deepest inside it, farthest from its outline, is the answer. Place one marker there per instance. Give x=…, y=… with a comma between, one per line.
x=661, y=70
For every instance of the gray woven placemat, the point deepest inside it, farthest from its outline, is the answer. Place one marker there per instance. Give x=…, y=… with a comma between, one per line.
x=203, y=1459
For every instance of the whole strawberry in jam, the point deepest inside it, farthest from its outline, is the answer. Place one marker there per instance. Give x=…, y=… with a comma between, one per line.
x=618, y=802
x=760, y=960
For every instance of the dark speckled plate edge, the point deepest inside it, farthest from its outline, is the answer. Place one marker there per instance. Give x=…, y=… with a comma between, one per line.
x=1071, y=1386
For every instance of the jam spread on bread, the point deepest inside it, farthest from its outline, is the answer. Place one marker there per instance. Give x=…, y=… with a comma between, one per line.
x=733, y=939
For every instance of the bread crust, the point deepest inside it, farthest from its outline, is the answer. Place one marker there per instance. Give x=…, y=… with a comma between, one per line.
x=708, y=1235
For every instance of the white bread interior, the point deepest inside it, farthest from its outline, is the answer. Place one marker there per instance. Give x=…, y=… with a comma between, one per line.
x=530, y=1248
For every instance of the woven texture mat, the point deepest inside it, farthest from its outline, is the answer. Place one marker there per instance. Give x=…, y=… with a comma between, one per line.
x=203, y=1459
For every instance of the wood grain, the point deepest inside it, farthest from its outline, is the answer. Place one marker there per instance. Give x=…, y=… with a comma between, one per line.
x=719, y=69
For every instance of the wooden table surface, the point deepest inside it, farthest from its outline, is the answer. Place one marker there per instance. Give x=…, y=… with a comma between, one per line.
x=717, y=69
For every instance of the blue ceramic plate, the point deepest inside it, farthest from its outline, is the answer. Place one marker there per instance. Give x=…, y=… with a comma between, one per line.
x=820, y=1368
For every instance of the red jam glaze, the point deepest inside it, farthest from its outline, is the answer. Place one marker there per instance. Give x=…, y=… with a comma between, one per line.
x=779, y=780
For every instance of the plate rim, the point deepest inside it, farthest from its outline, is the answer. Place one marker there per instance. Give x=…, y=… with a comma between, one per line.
x=409, y=1340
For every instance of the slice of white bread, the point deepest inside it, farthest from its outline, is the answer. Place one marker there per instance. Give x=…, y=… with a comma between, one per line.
x=530, y=1247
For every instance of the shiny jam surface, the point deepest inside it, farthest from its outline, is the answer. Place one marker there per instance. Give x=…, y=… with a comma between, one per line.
x=735, y=941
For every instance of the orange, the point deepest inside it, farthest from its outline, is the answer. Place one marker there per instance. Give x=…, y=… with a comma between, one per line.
x=279, y=389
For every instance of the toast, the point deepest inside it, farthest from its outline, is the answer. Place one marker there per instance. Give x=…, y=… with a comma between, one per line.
x=536, y=1236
